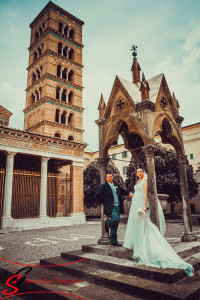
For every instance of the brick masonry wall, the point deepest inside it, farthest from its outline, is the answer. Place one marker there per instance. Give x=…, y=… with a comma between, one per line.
x=76, y=189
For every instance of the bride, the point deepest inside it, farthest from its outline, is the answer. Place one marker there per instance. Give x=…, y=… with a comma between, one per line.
x=150, y=247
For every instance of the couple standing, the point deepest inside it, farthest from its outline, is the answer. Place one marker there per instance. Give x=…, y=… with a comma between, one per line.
x=149, y=246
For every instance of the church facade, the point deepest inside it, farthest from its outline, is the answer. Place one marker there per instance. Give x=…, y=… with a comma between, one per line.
x=41, y=166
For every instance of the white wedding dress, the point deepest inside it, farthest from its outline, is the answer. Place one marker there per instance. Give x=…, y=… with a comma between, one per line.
x=150, y=247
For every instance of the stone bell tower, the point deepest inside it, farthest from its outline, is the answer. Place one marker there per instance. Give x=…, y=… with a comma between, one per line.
x=54, y=86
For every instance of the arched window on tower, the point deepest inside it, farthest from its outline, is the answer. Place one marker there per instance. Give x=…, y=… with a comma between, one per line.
x=65, y=51
x=70, y=97
x=58, y=93
x=70, y=119
x=40, y=31
x=39, y=51
x=35, y=56
x=59, y=70
x=60, y=27
x=65, y=30
x=70, y=138
x=43, y=26
x=38, y=73
x=71, y=76
x=40, y=92
x=57, y=135
x=37, y=95
x=41, y=71
x=57, y=115
x=36, y=35
x=33, y=78
x=32, y=99
x=60, y=48
x=71, y=34
x=63, y=98
x=64, y=74
x=71, y=54
x=63, y=117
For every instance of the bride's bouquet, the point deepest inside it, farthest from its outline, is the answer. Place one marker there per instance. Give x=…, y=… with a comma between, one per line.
x=140, y=215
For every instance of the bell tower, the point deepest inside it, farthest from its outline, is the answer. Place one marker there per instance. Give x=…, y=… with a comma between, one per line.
x=54, y=85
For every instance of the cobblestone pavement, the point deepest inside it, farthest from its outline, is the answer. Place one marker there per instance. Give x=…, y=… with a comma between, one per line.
x=32, y=245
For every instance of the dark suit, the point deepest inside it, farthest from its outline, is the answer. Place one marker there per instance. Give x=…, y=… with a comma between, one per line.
x=105, y=195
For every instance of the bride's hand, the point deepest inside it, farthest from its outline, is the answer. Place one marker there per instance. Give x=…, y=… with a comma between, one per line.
x=144, y=208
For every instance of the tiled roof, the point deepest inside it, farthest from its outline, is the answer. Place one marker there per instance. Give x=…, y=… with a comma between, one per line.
x=134, y=92
x=4, y=112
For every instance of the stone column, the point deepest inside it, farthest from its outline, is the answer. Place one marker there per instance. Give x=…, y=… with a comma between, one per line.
x=43, y=187
x=103, y=161
x=67, y=96
x=8, y=189
x=68, y=52
x=59, y=202
x=76, y=188
x=188, y=235
x=60, y=94
x=67, y=75
x=61, y=72
x=152, y=189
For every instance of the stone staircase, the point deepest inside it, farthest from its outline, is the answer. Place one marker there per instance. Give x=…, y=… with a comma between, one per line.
x=108, y=272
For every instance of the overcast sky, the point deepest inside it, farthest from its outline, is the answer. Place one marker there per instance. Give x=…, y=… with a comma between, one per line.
x=167, y=33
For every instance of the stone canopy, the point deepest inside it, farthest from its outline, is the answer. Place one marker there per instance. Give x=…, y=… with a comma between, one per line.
x=139, y=111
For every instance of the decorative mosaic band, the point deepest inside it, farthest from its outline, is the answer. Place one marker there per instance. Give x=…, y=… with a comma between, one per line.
x=51, y=102
x=52, y=78
x=57, y=36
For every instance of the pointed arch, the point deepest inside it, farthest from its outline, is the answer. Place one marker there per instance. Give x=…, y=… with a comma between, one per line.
x=131, y=129
x=166, y=127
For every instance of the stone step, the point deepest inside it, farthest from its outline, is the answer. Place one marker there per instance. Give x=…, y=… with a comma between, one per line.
x=49, y=284
x=188, y=288
x=127, y=266
x=183, y=249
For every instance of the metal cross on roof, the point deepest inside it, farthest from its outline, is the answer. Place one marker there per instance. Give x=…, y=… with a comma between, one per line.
x=134, y=49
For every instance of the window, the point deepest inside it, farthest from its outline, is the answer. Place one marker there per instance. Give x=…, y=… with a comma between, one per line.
x=191, y=156
x=57, y=135
x=124, y=170
x=114, y=156
x=70, y=138
x=124, y=154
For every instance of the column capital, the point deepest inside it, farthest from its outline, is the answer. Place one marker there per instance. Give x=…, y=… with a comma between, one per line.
x=11, y=154
x=149, y=150
x=44, y=158
x=103, y=161
x=181, y=158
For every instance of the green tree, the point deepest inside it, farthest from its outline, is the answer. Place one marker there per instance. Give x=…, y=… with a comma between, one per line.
x=91, y=177
x=167, y=176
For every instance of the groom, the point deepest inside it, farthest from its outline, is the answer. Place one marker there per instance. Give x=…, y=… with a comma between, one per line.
x=110, y=195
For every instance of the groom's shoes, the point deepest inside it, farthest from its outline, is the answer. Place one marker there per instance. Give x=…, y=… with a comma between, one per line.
x=116, y=244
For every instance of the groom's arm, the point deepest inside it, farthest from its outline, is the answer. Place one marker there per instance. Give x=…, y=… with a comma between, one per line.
x=126, y=193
